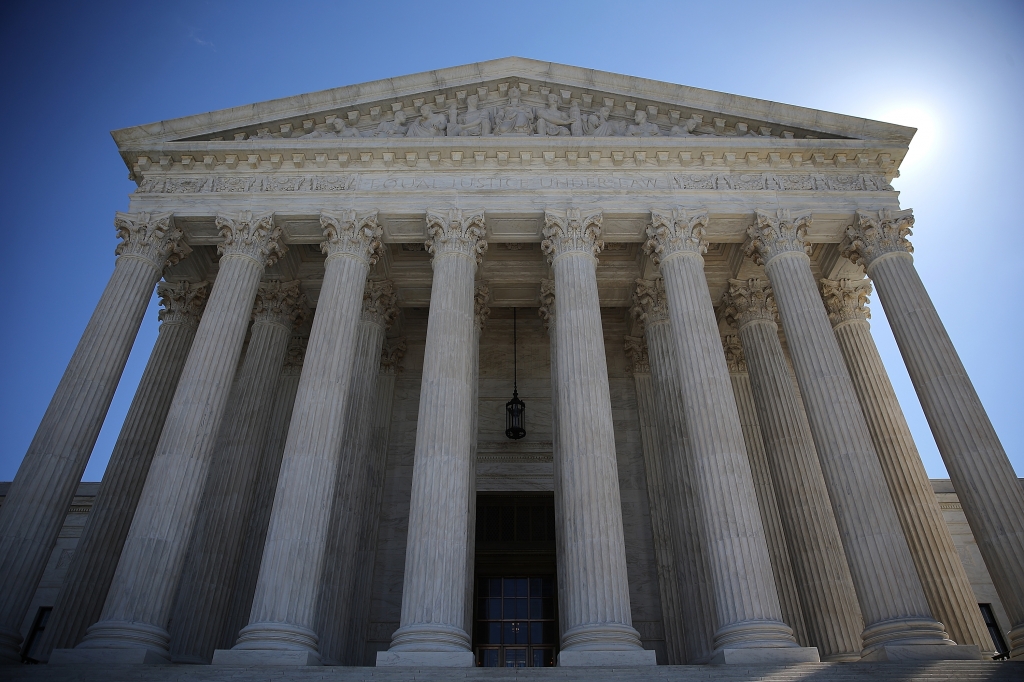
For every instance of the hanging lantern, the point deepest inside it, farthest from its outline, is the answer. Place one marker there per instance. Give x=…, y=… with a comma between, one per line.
x=515, y=409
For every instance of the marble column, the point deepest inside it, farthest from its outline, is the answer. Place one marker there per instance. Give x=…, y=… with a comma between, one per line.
x=283, y=617
x=942, y=574
x=823, y=578
x=208, y=577
x=598, y=621
x=390, y=366
x=750, y=625
x=481, y=311
x=434, y=589
x=38, y=500
x=896, y=615
x=80, y=600
x=133, y=623
x=665, y=554
x=775, y=533
x=984, y=479
x=265, y=486
x=349, y=497
x=695, y=590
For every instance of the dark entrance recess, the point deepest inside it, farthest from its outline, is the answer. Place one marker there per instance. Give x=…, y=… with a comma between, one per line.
x=515, y=606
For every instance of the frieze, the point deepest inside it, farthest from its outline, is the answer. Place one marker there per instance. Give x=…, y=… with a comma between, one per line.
x=773, y=182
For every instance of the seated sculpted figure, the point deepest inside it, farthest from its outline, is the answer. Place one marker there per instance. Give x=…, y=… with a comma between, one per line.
x=429, y=124
x=336, y=128
x=474, y=122
x=686, y=129
x=395, y=128
x=514, y=118
x=598, y=125
x=551, y=121
x=642, y=127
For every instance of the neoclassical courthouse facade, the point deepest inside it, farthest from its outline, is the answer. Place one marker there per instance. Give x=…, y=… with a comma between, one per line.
x=315, y=469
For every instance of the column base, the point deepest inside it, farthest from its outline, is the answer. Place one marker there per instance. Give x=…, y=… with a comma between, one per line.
x=107, y=656
x=265, y=657
x=629, y=658
x=765, y=656
x=425, y=659
x=923, y=652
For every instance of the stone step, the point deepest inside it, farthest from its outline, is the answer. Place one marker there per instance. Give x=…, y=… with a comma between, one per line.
x=939, y=671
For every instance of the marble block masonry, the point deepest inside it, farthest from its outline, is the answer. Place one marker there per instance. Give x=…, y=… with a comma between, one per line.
x=716, y=468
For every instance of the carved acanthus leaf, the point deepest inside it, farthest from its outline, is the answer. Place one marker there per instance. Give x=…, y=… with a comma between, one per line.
x=547, y=302
x=772, y=235
x=455, y=231
x=846, y=299
x=734, y=353
x=251, y=235
x=748, y=300
x=379, y=302
x=676, y=231
x=876, y=234
x=152, y=237
x=279, y=303
x=639, y=359
x=391, y=355
x=650, y=304
x=572, y=230
x=481, y=303
x=347, y=233
x=182, y=302
x=296, y=353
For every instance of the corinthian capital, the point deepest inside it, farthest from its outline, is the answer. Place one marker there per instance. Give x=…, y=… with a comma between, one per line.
x=547, y=302
x=279, y=303
x=352, y=235
x=773, y=234
x=650, y=305
x=453, y=231
x=734, y=353
x=876, y=234
x=379, y=302
x=296, y=354
x=151, y=237
x=253, y=236
x=481, y=303
x=676, y=231
x=639, y=359
x=846, y=299
x=182, y=302
x=572, y=231
x=749, y=300
x=391, y=355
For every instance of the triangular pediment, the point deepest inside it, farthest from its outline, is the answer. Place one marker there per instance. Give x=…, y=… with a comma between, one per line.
x=555, y=100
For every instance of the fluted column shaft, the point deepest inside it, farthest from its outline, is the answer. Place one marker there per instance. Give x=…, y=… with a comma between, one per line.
x=139, y=602
x=942, y=574
x=283, y=615
x=778, y=547
x=696, y=591
x=823, y=577
x=38, y=500
x=892, y=600
x=350, y=491
x=481, y=311
x=746, y=601
x=81, y=596
x=984, y=479
x=595, y=581
x=434, y=589
x=208, y=577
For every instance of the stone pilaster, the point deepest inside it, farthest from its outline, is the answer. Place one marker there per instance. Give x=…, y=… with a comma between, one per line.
x=695, y=587
x=481, y=311
x=208, y=578
x=80, y=600
x=349, y=498
x=266, y=485
x=778, y=546
x=390, y=366
x=823, y=579
x=942, y=574
x=598, y=623
x=283, y=617
x=665, y=554
x=434, y=591
x=42, y=490
x=132, y=627
x=746, y=601
x=895, y=611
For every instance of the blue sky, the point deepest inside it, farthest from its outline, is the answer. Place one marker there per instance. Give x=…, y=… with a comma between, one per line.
x=73, y=73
